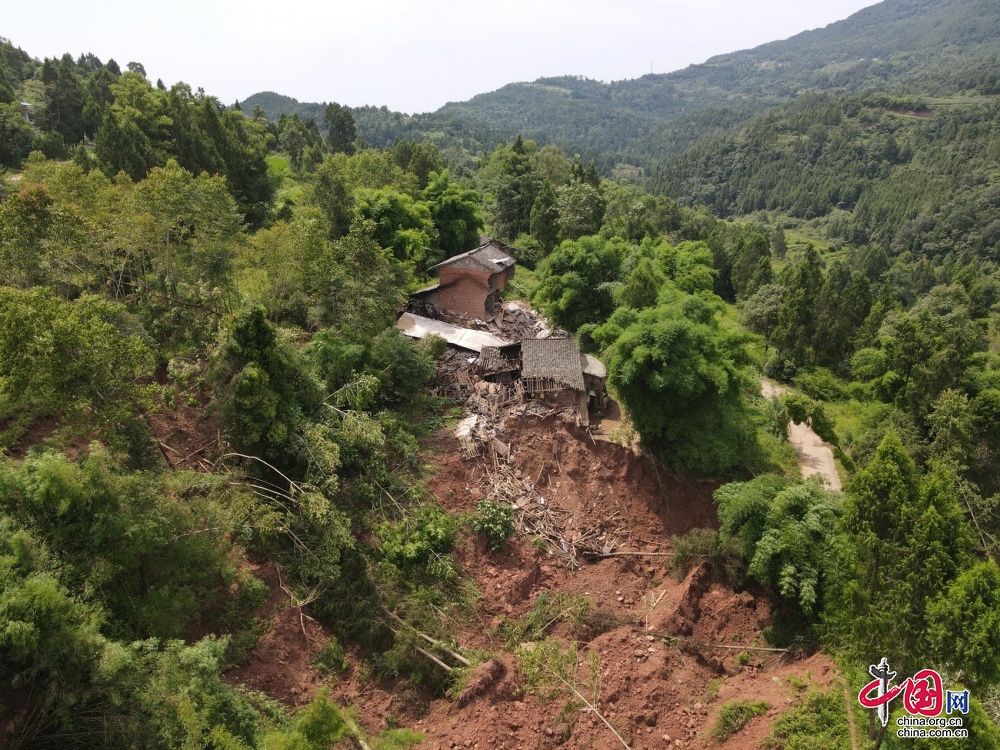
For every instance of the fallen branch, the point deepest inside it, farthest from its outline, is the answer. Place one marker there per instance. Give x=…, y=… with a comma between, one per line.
x=299, y=604
x=434, y=659
x=355, y=733
x=602, y=555
x=591, y=706
x=742, y=648
x=705, y=644
x=209, y=444
x=457, y=657
x=172, y=450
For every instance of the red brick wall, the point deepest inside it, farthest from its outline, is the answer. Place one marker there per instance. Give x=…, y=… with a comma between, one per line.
x=463, y=291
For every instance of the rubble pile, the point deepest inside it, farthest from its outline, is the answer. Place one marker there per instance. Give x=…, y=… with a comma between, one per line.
x=514, y=322
x=453, y=376
x=487, y=406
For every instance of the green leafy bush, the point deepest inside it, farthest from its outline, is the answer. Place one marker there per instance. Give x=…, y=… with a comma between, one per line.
x=818, y=723
x=316, y=727
x=422, y=537
x=822, y=385
x=789, y=535
x=735, y=715
x=81, y=361
x=401, y=367
x=803, y=410
x=332, y=658
x=495, y=522
x=719, y=550
x=150, y=549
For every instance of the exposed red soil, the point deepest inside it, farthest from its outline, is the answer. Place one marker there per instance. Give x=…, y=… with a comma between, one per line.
x=660, y=683
x=280, y=664
x=188, y=436
x=40, y=430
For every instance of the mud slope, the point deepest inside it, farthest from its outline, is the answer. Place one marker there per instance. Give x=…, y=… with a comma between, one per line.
x=670, y=652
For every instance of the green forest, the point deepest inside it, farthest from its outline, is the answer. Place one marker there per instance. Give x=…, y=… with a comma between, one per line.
x=830, y=226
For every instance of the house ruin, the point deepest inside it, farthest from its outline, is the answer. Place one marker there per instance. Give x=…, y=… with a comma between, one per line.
x=551, y=372
x=470, y=284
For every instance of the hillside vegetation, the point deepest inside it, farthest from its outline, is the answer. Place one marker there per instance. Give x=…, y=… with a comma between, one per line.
x=205, y=406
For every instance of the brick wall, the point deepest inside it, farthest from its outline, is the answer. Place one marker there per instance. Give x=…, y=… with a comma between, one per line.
x=463, y=291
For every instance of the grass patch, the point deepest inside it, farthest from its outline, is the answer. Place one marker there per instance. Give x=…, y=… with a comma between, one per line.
x=780, y=455
x=522, y=286
x=817, y=723
x=398, y=739
x=736, y=715
x=721, y=551
x=712, y=689
x=548, y=610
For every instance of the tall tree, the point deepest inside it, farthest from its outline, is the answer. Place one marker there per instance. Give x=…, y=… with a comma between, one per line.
x=64, y=99
x=682, y=379
x=841, y=309
x=912, y=542
x=760, y=312
x=581, y=209
x=796, y=329
x=455, y=213
x=340, y=129
x=575, y=281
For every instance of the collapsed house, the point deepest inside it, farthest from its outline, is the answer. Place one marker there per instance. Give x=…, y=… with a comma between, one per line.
x=539, y=374
x=551, y=372
x=554, y=371
x=470, y=284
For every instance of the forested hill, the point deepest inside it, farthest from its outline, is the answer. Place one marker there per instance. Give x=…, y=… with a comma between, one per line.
x=904, y=46
x=275, y=105
x=459, y=138
x=917, y=180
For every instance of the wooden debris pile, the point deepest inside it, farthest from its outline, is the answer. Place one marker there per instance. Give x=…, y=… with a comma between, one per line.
x=513, y=322
x=534, y=516
x=453, y=376
x=478, y=437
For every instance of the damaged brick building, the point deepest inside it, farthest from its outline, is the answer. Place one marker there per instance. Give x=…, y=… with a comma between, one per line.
x=470, y=284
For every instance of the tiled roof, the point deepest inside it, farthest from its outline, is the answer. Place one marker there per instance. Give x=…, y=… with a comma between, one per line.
x=494, y=257
x=553, y=359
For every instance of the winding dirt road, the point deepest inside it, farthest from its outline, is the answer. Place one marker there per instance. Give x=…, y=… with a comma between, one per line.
x=815, y=456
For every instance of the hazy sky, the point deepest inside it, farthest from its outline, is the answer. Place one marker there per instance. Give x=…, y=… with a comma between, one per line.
x=410, y=55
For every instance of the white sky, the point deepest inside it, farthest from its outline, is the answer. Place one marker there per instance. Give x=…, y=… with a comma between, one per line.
x=411, y=55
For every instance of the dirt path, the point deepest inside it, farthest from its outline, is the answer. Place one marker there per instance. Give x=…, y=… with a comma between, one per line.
x=815, y=456
x=850, y=717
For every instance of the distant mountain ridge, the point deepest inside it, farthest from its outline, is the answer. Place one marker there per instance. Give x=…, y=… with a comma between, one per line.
x=904, y=46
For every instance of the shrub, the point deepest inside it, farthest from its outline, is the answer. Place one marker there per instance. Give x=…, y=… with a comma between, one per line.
x=735, y=715
x=495, y=522
x=819, y=723
x=415, y=541
x=549, y=609
x=332, y=658
x=82, y=361
x=401, y=367
x=822, y=385
x=721, y=551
